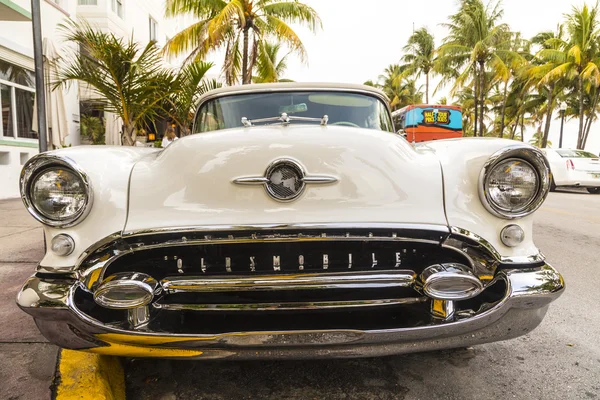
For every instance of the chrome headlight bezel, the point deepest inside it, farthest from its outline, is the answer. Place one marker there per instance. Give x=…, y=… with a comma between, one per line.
x=532, y=156
x=38, y=165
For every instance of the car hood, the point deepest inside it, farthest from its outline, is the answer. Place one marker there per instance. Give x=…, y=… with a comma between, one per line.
x=381, y=178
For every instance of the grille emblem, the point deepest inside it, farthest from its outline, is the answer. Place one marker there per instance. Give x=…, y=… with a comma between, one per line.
x=285, y=179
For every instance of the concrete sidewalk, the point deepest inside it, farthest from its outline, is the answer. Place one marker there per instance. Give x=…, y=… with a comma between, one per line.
x=28, y=361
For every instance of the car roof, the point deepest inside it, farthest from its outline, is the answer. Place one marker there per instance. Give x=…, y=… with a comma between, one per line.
x=294, y=86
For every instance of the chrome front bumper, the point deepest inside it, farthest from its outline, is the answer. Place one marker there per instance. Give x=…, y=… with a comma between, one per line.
x=528, y=295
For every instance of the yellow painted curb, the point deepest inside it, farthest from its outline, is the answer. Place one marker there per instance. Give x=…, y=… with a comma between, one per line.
x=89, y=376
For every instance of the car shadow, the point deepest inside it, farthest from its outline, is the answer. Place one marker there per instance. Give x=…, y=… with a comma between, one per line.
x=369, y=378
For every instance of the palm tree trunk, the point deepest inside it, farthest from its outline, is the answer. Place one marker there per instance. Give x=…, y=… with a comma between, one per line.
x=427, y=88
x=245, y=74
x=475, y=98
x=129, y=135
x=548, y=116
x=590, y=118
x=523, y=127
x=513, y=131
x=481, y=96
x=581, y=114
x=503, y=112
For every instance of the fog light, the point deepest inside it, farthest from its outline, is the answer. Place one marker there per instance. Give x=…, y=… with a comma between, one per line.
x=62, y=245
x=450, y=282
x=126, y=290
x=512, y=235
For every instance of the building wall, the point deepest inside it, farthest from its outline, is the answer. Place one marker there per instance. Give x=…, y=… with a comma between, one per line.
x=12, y=159
x=16, y=47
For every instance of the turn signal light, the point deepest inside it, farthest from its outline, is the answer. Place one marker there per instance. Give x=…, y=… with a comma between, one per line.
x=126, y=290
x=450, y=282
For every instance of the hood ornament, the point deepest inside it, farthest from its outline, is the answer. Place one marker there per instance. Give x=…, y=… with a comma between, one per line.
x=285, y=179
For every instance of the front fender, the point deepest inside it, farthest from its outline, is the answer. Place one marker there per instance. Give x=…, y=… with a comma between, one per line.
x=108, y=169
x=462, y=161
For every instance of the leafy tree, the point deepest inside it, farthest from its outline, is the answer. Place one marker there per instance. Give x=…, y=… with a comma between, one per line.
x=476, y=42
x=401, y=90
x=577, y=59
x=420, y=56
x=551, y=43
x=189, y=85
x=128, y=79
x=93, y=129
x=238, y=26
x=537, y=138
x=269, y=68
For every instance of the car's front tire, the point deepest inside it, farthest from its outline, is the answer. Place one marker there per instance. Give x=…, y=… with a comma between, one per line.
x=595, y=190
x=552, y=185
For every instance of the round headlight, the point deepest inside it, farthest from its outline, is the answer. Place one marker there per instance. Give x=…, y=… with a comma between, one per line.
x=55, y=190
x=58, y=194
x=514, y=182
x=512, y=185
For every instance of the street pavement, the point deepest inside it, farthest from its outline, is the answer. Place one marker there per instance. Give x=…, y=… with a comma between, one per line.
x=558, y=360
x=27, y=360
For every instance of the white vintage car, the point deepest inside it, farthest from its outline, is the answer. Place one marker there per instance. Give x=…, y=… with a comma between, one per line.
x=295, y=224
x=574, y=169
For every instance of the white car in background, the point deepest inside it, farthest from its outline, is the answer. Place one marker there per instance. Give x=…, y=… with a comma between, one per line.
x=574, y=168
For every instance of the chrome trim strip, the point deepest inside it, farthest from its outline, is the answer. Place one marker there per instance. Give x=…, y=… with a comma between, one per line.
x=265, y=180
x=442, y=229
x=321, y=281
x=33, y=167
x=519, y=151
x=535, y=258
x=251, y=180
x=291, y=306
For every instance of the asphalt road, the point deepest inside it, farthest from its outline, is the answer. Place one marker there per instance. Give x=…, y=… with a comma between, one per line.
x=558, y=360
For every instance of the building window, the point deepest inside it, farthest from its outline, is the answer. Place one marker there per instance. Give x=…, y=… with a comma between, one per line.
x=153, y=28
x=117, y=7
x=87, y=2
x=16, y=102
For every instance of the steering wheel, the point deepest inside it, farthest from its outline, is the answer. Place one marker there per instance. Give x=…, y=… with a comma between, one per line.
x=345, y=123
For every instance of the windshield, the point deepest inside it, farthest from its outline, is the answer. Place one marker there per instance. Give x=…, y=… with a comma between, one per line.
x=345, y=109
x=576, y=154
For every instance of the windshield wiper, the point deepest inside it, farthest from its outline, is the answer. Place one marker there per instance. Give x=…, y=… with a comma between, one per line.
x=284, y=119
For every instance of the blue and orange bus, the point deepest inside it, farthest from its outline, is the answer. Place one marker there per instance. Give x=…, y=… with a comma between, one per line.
x=424, y=122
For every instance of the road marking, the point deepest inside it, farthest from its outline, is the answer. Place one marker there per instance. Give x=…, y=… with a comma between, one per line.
x=89, y=376
x=559, y=211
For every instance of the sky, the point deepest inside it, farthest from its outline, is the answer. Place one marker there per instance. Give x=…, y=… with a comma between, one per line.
x=360, y=38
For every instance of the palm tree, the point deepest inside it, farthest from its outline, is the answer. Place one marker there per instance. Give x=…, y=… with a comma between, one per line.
x=476, y=43
x=419, y=57
x=128, y=79
x=400, y=90
x=544, y=62
x=577, y=59
x=516, y=59
x=189, y=85
x=268, y=67
x=233, y=24
x=537, y=138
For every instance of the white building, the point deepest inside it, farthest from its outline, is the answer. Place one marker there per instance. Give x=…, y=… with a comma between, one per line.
x=141, y=19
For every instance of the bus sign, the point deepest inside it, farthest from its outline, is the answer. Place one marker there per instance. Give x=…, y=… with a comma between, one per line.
x=426, y=122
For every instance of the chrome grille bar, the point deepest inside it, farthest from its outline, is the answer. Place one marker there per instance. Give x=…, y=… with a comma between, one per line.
x=340, y=280
x=291, y=306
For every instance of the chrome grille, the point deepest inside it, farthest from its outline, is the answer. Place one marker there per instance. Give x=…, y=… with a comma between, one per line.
x=285, y=181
